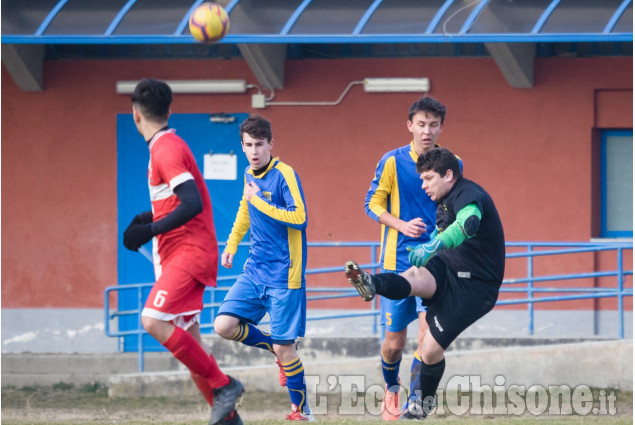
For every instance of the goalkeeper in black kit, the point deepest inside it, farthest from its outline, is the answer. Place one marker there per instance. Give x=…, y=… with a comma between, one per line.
x=457, y=274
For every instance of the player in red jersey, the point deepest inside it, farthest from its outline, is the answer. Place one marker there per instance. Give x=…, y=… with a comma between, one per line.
x=185, y=249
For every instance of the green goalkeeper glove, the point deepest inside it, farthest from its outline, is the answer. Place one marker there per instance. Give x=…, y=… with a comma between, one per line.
x=421, y=254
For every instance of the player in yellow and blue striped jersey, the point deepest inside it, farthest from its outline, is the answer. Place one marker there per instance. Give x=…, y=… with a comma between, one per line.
x=407, y=217
x=273, y=277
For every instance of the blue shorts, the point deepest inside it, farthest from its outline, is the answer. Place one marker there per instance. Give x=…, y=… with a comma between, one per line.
x=249, y=302
x=396, y=315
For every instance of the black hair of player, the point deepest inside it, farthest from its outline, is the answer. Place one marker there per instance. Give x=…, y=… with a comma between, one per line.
x=153, y=98
x=428, y=104
x=257, y=127
x=439, y=160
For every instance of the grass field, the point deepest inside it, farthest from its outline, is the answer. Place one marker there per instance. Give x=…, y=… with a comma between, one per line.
x=65, y=404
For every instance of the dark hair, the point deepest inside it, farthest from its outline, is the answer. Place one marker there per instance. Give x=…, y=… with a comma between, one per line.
x=439, y=160
x=257, y=127
x=153, y=98
x=427, y=104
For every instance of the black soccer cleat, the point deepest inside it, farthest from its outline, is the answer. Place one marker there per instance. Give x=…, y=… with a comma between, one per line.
x=361, y=280
x=225, y=399
x=233, y=418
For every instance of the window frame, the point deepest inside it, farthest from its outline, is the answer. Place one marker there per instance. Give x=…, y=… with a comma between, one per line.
x=604, y=232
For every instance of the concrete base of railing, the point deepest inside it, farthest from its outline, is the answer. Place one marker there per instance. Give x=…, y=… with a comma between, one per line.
x=572, y=364
x=520, y=361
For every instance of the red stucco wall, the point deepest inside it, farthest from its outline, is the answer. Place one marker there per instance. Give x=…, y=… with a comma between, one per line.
x=530, y=148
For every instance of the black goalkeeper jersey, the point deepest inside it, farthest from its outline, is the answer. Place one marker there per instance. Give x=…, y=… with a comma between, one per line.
x=482, y=256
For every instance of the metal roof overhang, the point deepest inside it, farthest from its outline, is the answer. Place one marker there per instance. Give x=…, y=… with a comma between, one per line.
x=261, y=28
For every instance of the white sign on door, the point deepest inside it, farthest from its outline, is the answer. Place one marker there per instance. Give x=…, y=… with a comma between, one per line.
x=220, y=166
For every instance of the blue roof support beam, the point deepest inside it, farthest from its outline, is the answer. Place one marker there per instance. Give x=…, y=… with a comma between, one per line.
x=115, y=22
x=437, y=18
x=294, y=17
x=367, y=15
x=616, y=17
x=186, y=19
x=49, y=18
x=230, y=6
x=545, y=15
x=472, y=18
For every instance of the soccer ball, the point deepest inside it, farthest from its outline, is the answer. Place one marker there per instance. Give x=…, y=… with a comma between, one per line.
x=209, y=22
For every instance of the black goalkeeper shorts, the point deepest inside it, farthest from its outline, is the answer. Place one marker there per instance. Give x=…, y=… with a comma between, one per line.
x=457, y=303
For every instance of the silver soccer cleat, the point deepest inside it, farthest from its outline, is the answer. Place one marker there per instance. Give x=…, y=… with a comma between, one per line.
x=361, y=280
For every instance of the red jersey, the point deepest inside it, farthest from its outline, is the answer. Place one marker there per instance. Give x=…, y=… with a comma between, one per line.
x=192, y=246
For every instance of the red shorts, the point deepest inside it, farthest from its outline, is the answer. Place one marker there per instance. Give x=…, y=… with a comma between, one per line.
x=176, y=296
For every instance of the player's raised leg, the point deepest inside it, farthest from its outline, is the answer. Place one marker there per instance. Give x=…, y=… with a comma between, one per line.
x=413, y=282
x=253, y=336
x=240, y=309
x=361, y=280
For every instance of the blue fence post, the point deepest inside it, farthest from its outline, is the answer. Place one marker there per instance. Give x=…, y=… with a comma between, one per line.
x=212, y=298
x=141, y=364
x=620, y=290
x=530, y=285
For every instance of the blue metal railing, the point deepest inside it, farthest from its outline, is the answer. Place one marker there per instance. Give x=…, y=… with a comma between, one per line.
x=530, y=252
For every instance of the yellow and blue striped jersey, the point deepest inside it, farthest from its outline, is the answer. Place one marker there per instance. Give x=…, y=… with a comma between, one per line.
x=278, y=219
x=396, y=189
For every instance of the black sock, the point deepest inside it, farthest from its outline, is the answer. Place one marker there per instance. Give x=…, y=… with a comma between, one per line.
x=392, y=286
x=430, y=378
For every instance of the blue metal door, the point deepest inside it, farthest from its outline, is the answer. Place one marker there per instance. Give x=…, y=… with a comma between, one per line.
x=205, y=134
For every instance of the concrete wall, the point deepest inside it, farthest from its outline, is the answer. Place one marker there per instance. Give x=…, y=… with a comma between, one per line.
x=72, y=331
x=521, y=361
x=545, y=365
